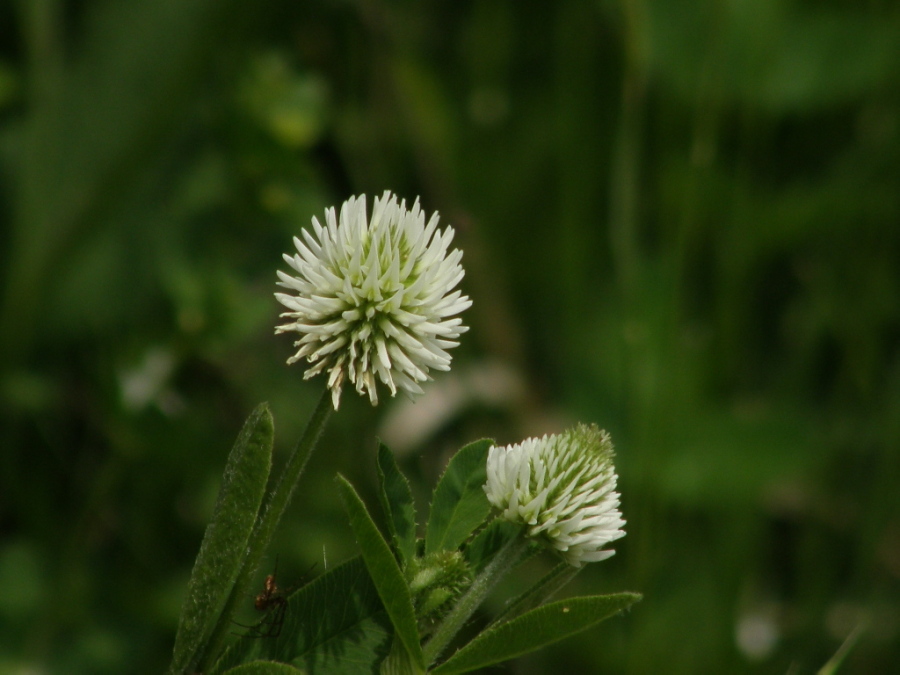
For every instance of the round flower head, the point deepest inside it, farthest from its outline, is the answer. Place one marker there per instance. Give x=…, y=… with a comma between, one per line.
x=562, y=488
x=373, y=298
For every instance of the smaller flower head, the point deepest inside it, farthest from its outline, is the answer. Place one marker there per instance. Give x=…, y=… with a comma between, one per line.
x=373, y=298
x=562, y=488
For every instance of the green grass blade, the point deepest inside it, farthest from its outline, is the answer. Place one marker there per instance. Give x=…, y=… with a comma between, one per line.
x=835, y=662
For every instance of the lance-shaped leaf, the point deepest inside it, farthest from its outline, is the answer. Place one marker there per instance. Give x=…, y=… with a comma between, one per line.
x=534, y=630
x=397, y=502
x=225, y=542
x=334, y=625
x=386, y=575
x=459, y=505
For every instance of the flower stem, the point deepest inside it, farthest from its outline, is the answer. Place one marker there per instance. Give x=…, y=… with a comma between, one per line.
x=266, y=523
x=503, y=561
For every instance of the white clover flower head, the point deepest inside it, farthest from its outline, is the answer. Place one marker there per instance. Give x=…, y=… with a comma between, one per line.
x=562, y=488
x=372, y=298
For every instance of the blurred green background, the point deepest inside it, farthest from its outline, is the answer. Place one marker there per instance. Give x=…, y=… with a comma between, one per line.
x=681, y=221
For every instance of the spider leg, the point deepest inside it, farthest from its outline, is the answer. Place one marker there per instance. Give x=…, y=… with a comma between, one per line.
x=270, y=625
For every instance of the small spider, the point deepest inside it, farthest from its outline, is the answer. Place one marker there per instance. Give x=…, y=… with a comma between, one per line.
x=273, y=601
x=271, y=595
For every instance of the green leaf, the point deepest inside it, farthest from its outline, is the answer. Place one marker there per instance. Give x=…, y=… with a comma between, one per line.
x=397, y=502
x=535, y=630
x=835, y=662
x=265, y=668
x=225, y=542
x=385, y=573
x=335, y=625
x=459, y=504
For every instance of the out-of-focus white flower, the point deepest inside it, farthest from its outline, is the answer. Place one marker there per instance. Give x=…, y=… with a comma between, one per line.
x=373, y=298
x=562, y=488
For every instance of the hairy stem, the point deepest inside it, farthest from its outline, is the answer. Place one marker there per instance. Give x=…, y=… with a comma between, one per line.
x=503, y=561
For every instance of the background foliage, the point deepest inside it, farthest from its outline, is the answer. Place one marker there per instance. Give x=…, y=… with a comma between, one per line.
x=680, y=221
